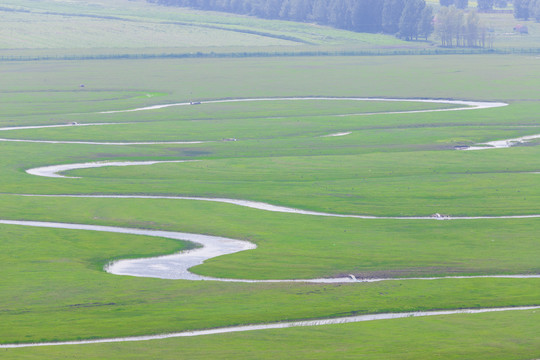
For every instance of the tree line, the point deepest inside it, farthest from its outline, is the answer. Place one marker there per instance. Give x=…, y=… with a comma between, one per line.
x=483, y=5
x=460, y=28
x=527, y=9
x=407, y=19
x=523, y=9
x=460, y=4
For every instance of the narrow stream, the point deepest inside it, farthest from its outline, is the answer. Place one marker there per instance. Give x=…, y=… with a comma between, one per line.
x=281, y=325
x=176, y=266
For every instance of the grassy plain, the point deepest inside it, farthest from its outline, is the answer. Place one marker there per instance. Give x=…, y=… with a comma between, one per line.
x=96, y=28
x=401, y=164
x=53, y=285
x=485, y=336
x=126, y=27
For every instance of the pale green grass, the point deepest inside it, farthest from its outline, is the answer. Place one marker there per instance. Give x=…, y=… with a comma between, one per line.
x=502, y=26
x=96, y=28
x=61, y=32
x=137, y=24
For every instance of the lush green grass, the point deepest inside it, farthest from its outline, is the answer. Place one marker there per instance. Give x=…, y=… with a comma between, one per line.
x=414, y=185
x=53, y=286
x=289, y=244
x=57, y=102
x=57, y=291
x=492, y=336
x=492, y=78
x=246, y=120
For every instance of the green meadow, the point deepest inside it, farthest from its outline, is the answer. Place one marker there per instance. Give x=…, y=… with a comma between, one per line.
x=390, y=165
x=113, y=27
x=482, y=336
x=392, y=159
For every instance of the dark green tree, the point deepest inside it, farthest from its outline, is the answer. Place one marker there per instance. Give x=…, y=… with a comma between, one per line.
x=319, y=11
x=471, y=29
x=391, y=14
x=485, y=5
x=371, y=16
x=448, y=25
x=357, y=15
x=425, y=25
x=285, y=9
x=410, y=18
x=337, y=15
x=462, y=4
x=299, y=10
x=271, y=9
x=534, y=9
x=459, y=27
x=521, y=9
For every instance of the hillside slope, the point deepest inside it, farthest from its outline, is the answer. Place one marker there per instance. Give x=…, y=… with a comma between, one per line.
x=135, y=26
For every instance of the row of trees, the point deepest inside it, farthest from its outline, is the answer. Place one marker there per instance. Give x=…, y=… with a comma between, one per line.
x=406, y=18
x=483, y=5
x=456, y=27
x=460, y=4
x=525, y=9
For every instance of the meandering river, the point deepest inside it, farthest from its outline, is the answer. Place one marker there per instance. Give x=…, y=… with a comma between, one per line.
x=176, y=266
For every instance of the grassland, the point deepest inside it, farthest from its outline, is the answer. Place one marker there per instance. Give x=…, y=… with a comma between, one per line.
x=487, y=336
x=401, y=164
x=123, y=27
x=51, y=29
x=53, y=286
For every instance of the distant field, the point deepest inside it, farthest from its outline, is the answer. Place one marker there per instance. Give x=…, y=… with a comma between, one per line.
x=121, y=27
x=71, y=31
x=502, y=26
x=123, y=24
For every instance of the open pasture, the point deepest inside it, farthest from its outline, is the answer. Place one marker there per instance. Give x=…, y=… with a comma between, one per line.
x=398, y=164
x=484, y=336
x=101, y=28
